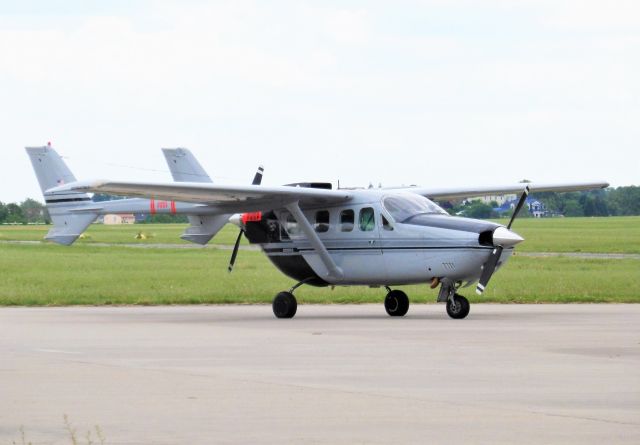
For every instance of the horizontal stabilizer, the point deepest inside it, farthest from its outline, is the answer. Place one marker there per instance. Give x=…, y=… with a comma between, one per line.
x=67, y=227
x=203, y=228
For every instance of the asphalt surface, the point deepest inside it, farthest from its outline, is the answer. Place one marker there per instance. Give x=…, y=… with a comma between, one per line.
x=334, y=374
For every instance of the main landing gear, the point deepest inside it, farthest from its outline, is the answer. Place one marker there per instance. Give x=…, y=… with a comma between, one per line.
x=284, y=304
x=396, y=303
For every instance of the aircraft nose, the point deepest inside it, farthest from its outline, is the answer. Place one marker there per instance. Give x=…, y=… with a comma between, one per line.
x=505, y=237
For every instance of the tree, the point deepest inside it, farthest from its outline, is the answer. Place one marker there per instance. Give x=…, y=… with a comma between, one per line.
x=3, y=213
x=624, y=200
x=478, y=209
x=165, y=219
x=572, y=208
x=14, y=214
x=33, y=211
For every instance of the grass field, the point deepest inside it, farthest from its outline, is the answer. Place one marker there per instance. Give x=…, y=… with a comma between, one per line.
x=598, y=235
x=47, y=274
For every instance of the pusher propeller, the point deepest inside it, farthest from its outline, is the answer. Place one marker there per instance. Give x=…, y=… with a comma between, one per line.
x=257, y=180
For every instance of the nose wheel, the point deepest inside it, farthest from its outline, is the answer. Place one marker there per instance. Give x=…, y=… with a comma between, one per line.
x=396, y=303
x=458, y=306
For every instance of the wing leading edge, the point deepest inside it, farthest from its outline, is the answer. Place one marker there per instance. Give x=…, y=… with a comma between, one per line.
x=470, y=192
x=230, y=199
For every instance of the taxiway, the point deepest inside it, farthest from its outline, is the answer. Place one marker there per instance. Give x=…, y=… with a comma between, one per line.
x=334, y=374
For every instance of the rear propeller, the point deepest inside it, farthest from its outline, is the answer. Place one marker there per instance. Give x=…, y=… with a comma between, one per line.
x=257, y=180
x=501, y=237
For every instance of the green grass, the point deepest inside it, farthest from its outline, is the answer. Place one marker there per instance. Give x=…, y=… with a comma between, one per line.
x=47, y=274
x=54, y=275
x=597, y=235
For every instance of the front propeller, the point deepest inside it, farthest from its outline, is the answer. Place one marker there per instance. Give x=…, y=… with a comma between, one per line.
x=502, y=237
x=257, y=180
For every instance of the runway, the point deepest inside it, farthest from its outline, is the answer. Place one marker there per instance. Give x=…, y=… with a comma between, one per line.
x=333, y=375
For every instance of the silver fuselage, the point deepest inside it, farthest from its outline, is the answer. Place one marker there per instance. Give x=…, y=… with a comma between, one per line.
x=385, y=253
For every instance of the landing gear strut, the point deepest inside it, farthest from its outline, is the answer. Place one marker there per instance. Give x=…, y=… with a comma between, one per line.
x=396, y=303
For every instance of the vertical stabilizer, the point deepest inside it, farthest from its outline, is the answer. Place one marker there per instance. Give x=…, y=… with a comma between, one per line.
x=66, y=209
x=185, y=168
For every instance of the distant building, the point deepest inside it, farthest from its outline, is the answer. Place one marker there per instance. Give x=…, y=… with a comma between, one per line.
x=500, y=199
x=536, y=208
x=127, y=218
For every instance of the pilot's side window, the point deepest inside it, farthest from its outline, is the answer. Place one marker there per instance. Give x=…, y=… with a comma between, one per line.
x=322, y=221
x=367, y=221
x=347, y=218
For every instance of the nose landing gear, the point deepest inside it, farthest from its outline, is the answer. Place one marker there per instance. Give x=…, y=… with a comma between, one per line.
x=458, y=307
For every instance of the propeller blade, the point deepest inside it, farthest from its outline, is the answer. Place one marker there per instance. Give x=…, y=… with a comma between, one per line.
x=523, y=199
x=257, y=179
x=234, y=254
x=489, y=268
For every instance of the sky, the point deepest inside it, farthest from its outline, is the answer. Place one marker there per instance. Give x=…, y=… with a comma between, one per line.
x=436, y=92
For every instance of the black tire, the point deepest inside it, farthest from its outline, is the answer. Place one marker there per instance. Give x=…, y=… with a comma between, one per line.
x=396, y=303
x=459, y=308
x=285, y=305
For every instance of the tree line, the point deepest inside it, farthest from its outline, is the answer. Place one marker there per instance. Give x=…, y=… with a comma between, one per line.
x=620, y=201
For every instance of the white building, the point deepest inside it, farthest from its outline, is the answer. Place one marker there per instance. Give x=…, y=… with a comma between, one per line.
x=127, y=218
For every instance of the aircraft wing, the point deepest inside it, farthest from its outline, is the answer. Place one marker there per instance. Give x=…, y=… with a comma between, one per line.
x=229, y=198
x=446, y=193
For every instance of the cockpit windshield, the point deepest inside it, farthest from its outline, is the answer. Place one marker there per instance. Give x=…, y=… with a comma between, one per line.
x=406, y=206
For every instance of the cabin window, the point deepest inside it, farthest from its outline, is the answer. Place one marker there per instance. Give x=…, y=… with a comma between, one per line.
x=347, y=218
x=322, y=221
x=367, y=220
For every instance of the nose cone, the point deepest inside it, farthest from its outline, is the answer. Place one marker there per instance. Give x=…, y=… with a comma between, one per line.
x=505, y=237
x=236, y=220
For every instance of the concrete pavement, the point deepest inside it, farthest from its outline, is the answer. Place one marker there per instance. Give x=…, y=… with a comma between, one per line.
x=334, y=374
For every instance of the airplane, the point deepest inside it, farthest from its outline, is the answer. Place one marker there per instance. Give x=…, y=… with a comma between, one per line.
x=321, y=236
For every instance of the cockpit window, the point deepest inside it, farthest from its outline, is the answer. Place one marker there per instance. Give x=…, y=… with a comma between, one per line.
x=404, y=207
